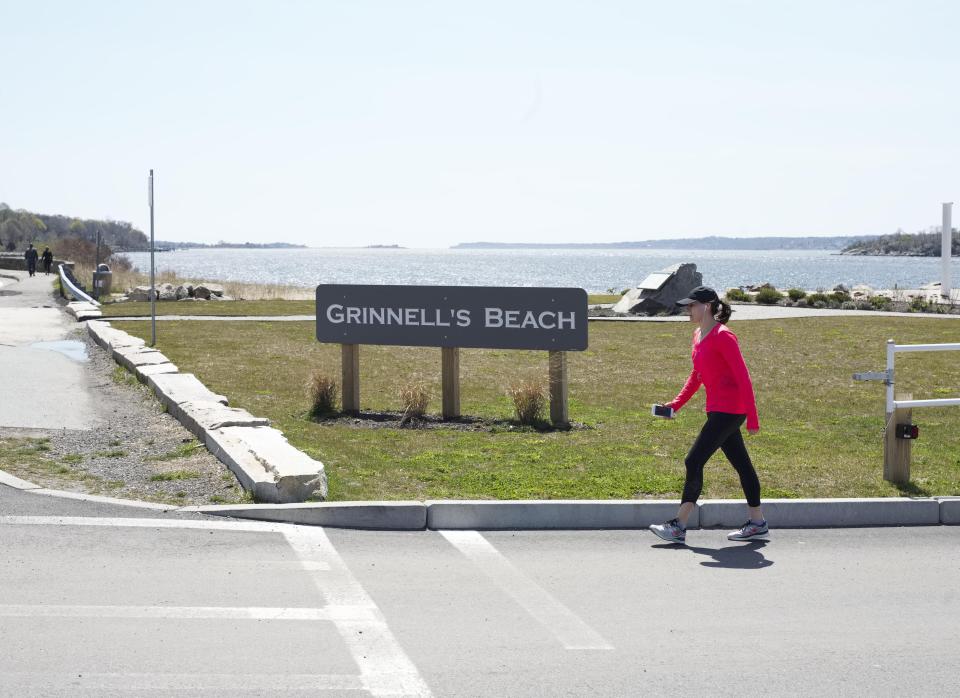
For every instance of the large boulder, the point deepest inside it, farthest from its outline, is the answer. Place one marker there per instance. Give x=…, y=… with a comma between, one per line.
x=205, y=291
x=140, y=293
x=660, y=291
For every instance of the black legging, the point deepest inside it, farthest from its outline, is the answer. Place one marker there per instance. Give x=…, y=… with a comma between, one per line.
x=722, y=431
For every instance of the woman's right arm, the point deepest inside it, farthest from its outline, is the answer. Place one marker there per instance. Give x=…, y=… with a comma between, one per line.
x=689, y=388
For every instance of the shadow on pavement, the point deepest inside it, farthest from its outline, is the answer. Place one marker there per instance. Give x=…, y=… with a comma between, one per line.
x=738, y=557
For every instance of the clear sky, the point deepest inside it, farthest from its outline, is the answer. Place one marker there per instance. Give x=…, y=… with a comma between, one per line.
x=427, y=123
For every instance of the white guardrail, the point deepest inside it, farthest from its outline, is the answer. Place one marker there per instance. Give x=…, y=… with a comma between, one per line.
x=72, y=288
x=892, y=350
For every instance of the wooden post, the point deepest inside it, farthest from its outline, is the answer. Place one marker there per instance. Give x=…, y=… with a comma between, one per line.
x=896, y=452
x=350, y=375
x=450, y=380
x=559, y=414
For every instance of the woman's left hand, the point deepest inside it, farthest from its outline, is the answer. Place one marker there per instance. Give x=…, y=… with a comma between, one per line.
x=753, y=432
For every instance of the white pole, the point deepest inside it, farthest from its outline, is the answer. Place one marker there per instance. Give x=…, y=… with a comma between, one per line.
x=946, y=250
x=891, y=351
x=153, y=285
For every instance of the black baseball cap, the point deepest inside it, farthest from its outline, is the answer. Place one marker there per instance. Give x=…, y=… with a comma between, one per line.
x=702, y=294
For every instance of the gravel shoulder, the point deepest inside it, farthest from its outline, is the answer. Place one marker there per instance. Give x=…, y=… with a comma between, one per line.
x=135, y=449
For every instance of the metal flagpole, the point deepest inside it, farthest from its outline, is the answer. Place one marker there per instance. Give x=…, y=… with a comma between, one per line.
x=946, y=249
x=153, y=285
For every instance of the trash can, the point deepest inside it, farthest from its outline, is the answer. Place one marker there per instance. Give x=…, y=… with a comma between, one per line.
x=102, y=281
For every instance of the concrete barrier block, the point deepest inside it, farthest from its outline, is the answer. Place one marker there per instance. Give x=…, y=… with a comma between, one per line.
x=199, y=417
x=144, y=372
x=111, y=338
x=174, y=388
x=266, y=464
x=382, y=516
x=132, y=357
x=82, y=310
x=98, y=329
x=823, y=513
x=550, y=514
x=949, y=510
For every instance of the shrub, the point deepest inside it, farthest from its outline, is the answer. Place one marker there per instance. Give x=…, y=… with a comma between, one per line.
x=796, y=294
x=864, y=305
x=919, y=305
x=819, y=304
x=414, y=397
x=735, y=294
x=769, y=296
x=880, y=302
x=802, y=303
x=322, y=390
x=848, y=305
x=818, y=297
x=120, y=262
x=528, y=398
x=841, y=296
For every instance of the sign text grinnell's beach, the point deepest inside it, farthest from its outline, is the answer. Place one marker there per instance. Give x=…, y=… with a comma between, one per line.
x=453, y=316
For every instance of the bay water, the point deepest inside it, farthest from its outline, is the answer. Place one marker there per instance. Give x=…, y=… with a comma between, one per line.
x=595, y=270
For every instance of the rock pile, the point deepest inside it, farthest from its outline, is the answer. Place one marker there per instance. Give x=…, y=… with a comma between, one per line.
x=183, y=292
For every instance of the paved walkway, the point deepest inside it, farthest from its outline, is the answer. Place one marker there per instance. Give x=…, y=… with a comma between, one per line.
x=42, y=387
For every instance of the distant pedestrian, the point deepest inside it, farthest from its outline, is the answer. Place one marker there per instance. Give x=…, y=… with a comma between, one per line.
x=47, y=259
x=31, y=256
x=717, y=365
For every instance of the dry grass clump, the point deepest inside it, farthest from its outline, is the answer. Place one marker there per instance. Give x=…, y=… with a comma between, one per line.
x=529, y=398
x=414, y=397
x=322, y=391
x=124, y=279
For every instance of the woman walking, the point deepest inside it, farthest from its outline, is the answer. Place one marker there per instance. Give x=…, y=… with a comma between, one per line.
x=717, y=365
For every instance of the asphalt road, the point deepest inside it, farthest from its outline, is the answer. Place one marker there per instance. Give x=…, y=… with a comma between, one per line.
x=102, y=600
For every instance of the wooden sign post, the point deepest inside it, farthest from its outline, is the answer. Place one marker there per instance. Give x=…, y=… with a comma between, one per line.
x=897, y=452
x=350, y=377
x=559, y=414
x=450, y=381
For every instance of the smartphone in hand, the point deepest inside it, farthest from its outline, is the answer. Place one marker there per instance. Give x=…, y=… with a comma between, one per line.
x=662, y=411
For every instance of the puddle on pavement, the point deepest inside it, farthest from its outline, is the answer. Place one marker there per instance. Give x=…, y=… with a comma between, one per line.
x=68, y=347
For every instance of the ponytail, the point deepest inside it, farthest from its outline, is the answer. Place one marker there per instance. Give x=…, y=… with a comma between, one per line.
x=721, y=311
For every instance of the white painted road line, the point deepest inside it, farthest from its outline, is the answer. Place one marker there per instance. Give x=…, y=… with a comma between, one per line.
x=64, y=684
x=332, y=613
x=384, y=666
x=572, y=632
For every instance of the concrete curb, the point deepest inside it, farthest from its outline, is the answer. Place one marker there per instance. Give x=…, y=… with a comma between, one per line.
x=24, y=485
x=550, y=514
x=835, y=513
x=384, y=516
x=559, y=514
x=16, y=483
x=950, y=510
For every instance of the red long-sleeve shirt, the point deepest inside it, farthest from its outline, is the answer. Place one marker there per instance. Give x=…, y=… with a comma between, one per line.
x=718, y=365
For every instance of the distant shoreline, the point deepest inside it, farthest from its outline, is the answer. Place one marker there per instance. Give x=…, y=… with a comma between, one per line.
x=836, y=242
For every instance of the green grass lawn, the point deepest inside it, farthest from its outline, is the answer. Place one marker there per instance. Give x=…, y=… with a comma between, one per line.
x=239, y=308
x=821, y=431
